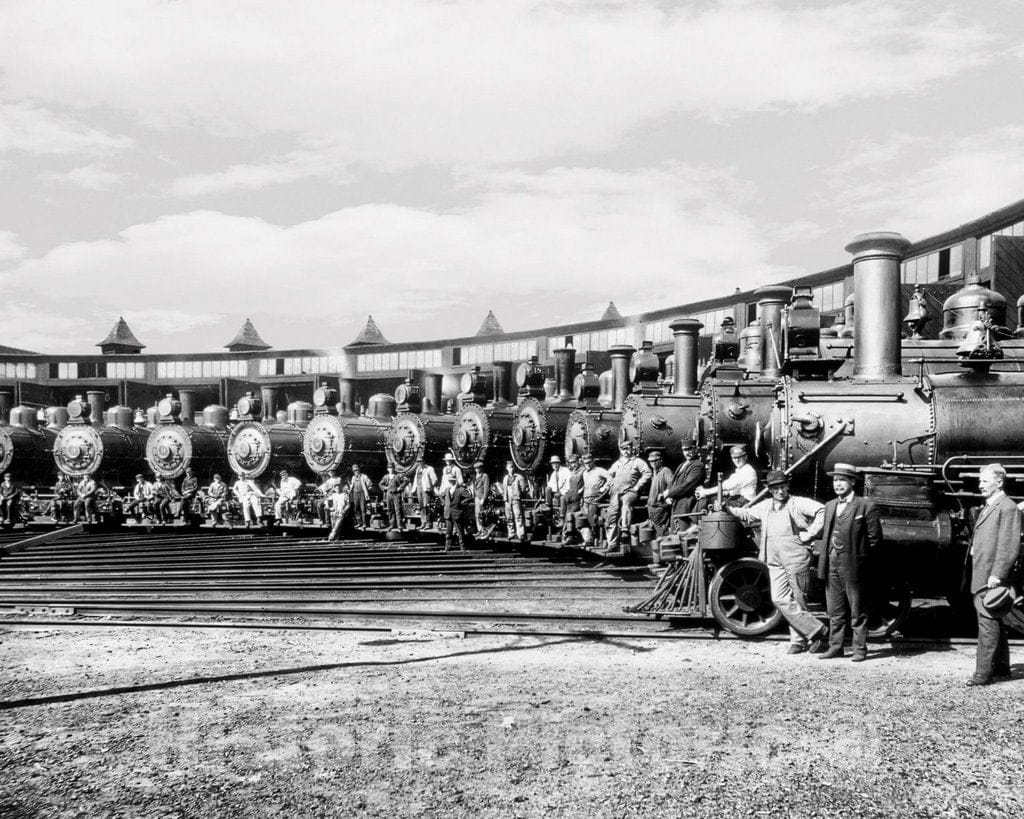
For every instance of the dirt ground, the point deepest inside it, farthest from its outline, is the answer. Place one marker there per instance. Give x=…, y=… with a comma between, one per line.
x=156, y=722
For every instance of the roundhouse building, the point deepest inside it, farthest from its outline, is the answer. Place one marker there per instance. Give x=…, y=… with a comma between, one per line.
x=989, y=249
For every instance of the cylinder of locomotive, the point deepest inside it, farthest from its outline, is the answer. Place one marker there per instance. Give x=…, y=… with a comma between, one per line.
x=332, y=442
x=415, y=435
x=112, y=455
x=259, y=450
x=172, y=448
x=26, y=450
x=661, y=422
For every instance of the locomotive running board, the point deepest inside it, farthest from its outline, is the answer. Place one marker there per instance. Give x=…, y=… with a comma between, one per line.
x=46, y=537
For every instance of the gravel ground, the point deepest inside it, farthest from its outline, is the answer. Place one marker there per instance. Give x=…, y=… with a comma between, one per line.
x=197, y=723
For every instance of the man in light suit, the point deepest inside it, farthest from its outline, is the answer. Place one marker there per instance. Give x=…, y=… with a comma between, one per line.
x=850, y=537
x=995, y=547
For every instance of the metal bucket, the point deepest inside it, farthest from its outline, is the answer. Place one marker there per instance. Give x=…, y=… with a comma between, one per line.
x=720, y=531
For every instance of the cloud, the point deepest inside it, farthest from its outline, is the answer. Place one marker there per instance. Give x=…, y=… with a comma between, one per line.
x=31, y=129
x=921, y=186
x=88, y=177
x=10, y=248
x=480, y=82
x=297, y=165
x=530, y=244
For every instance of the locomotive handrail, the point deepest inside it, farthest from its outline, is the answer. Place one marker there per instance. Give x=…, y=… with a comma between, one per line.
x=803, y=396
x=839, y=430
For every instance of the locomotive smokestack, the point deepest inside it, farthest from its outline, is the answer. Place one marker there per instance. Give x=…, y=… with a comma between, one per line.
x=502, y=383
x=96, y=399
x=6, y=402
x=188, y=406
x=684, y=336
x=770, y=301
x=876, y=283
x=269, y=395
x=347, y=395
x=565, y=363
x=433, y=390
x=621, y=354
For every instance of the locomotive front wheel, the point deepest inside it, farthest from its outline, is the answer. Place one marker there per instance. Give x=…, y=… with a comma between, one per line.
x=741, y=598
x=890, y=613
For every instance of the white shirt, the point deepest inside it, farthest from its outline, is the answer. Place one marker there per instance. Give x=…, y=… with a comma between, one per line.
x=742, y=482
x=290, y=486
x=451, y=476
x=558, y=480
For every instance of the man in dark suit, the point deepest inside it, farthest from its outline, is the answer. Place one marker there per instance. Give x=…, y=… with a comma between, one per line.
x=689, y=475
x=850, y=537
x=995, y=547
x=458, y=500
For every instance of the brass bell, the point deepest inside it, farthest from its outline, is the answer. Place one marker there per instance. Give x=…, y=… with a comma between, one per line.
x=917, y=314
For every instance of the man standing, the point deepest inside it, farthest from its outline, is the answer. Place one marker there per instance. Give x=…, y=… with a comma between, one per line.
x=659, y=510
x=189, y=493
x=288, y=493
x=742, y=484
x=850, y=537
x=9, y=496
x=513, y=490
x=216, y=496
x=163, y=494
x=338, y=506
x=596, y=485
x=451, y=475
x=248, y=494
x=630, y=475
x=995, y=547
x=788, y=526
x=481, y=489
x=686, y=480
x=457, y=501
x=425, y=484
x=557, y=486
x=573, y=498
x=392, y=485
x=359, y=493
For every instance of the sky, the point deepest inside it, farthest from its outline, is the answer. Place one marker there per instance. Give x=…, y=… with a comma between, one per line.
x=190, y=164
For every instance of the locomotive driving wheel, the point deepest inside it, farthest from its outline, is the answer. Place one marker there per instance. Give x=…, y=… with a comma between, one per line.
x=741, y=598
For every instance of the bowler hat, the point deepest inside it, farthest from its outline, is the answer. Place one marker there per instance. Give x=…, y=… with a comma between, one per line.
x=777, y=478
x=998, y=601
x=843, y=471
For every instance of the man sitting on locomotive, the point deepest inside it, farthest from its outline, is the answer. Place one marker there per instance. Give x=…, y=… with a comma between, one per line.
x=63, y=499
x=659, y=510
x=140, y=501
x=164, y=494
x=789, y=524
x=216, y=498
x=10, y=495
x=686, y=481
x=630, y=476
x=189, y=498
x=325, y=490
x=248, y=494
x=287, y=494
x=741, y=485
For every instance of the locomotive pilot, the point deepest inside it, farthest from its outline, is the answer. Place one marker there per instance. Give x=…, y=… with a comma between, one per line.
x=630, y=475
x=788, y=526
x=216, y=497
x=425, y=483
x=289, y=491
x=851, y=534
x=248, y=494
x=741, y=485
x=9, y=497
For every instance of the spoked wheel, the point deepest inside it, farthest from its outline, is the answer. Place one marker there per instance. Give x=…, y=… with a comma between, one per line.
x=741, y=598
x=891, y=612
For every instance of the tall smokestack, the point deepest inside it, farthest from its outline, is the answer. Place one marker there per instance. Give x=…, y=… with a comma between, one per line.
x=188, y=406
x=502, y=383
x=97, y=399
x=621, y=354
x=770, y=301
x=565, y=363
x=347, y=395
x=269, y=395
x=433, y=392
x=876, y=282
x=684, y=337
